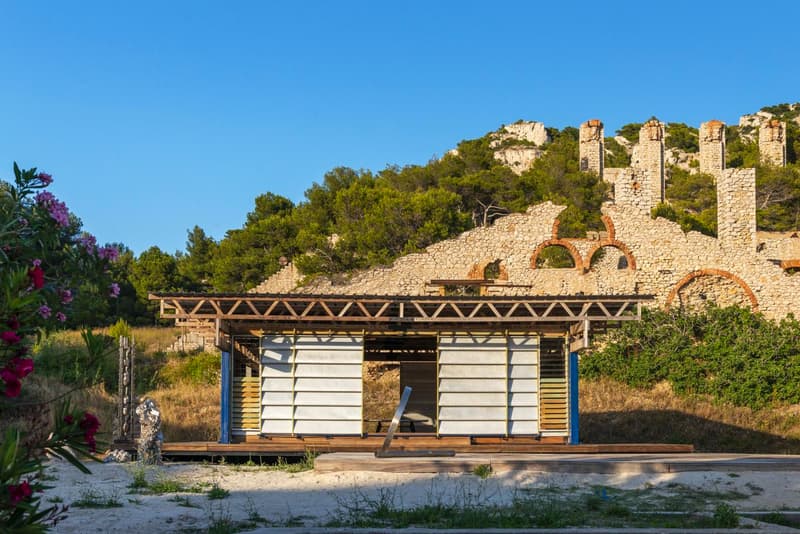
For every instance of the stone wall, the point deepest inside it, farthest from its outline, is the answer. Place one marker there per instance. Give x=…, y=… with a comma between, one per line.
x=643, y=256
x=712, y=148
x=772, y=142
x=591, y=147
x=648, y=156
x=736, y=209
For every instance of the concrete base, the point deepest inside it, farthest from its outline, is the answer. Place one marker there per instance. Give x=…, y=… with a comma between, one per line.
x=558, y=463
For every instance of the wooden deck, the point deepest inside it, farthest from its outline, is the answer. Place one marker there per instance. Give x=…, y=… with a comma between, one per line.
x=296, y=446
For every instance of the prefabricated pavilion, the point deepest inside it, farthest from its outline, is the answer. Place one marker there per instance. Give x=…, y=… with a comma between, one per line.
x=482, y=368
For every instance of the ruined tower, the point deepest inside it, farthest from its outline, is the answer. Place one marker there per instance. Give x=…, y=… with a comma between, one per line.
x=592, y=147
x=772, y=142
x=712, y=148
x=648, y=159
x=631, y=189
x=736, y=209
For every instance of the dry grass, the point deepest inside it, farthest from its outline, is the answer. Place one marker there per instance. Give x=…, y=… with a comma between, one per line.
x=381, y=390
x=189, y=412
x=615, y=413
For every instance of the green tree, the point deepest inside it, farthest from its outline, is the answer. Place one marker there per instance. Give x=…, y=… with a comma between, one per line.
x=155, y=271
x=630, y=131
x=196, y=265
x=682, y=136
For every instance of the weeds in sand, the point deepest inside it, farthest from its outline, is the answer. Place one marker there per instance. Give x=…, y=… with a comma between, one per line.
x=93, y=498
x=483, y=471
x=220, y=521
x=725, y=516
x=217, y=492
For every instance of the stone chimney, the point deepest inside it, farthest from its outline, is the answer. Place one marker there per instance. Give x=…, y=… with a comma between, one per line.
x=772, y=142
x=592, y=147
x=736, y=209
x=648, y=158
x=630, y=189
x=712, y=148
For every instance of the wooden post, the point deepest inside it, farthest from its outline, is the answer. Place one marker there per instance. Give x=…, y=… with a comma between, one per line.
x=572, y=363
x=225, y=398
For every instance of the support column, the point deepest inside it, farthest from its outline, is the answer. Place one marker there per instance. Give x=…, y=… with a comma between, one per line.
x=572, y=364
x=225, y=398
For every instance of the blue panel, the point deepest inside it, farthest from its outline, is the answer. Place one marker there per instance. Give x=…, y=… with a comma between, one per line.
x=573, y=398
x=225, y=398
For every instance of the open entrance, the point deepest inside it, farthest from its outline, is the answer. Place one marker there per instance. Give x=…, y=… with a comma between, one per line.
x=390, y=364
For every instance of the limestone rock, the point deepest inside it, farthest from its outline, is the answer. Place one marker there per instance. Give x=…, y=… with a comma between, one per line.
x=519, y=158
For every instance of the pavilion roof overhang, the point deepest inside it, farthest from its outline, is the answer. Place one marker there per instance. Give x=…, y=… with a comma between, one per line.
x=393, y=312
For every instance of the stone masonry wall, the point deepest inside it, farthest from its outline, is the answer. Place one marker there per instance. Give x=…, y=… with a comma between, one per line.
x=712, y=147
x=648, y=156
x=736, y=209
x=772, y=142
x=660, y=259
x=592, y=147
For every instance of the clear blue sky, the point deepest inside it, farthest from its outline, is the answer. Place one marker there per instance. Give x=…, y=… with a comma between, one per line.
x=156, y=116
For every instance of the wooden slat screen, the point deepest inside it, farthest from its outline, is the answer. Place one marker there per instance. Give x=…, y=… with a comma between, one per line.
x=553, y=385
x=246, y=403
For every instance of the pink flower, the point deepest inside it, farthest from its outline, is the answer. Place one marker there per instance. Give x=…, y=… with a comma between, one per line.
x=21, y=367
x=69, y=419
x=45, y=311
x=114, y=292
x=18, y=493
x=44, y=179
x=36, y=274
x=66, y=296
x=108, y=253
x=88, y=241
x=89, y=424
x=13, y=385
x=10, y=337
x=61, y=317
x=37, y=262
x=57, y=209
x=13, y=323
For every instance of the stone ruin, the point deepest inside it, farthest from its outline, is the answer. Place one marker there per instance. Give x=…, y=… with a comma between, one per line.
x=636, y=254
x=148, y=447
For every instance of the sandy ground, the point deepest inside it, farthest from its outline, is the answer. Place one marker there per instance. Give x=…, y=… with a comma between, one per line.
x=312, y=499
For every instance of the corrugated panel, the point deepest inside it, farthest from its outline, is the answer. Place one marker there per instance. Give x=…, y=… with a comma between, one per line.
x=277, y=365
x=311, y=384
x=472, y=366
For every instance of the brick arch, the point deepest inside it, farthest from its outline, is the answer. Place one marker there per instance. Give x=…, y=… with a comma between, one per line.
x=576, y=256
x=622, y=247
x=712, y=272
x=609, y=224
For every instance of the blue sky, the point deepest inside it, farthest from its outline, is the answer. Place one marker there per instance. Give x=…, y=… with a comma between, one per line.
x=156, y=116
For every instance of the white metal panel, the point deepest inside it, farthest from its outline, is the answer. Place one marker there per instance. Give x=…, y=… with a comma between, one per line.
x=277, y=426
x=328, y=343
x=523, y=399
x=461, y=356
x=472, y=342
x=528, y=342
x=472, y=428
x=310, y=427
x=523, y=371
x=471, y=399
x=467, y=413
x=523, y=427
x=276, y=412
x=328, y=370
x=466, y=385
x=352, y=413
x=523, y=385
x=523, y=413
x=275, y=370
x=314, y=398
x=276, y=384
x=472, y=371
x=328, y=384
x=277, y=397
x=528, y=357
x=331, y=356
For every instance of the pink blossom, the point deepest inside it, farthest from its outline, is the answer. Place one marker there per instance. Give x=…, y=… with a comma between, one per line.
x=13, y=323
x=44, y=179
x=66, y=296
x=10, y=337
x=108, y=253
x=18, y=493
x=21, y=367
x=45, y=311
x=13, y=385
x=36, y=274
x=57, y=209
x=114, y=292
x=89, y=242
x=37, y=262
x=61, y=317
